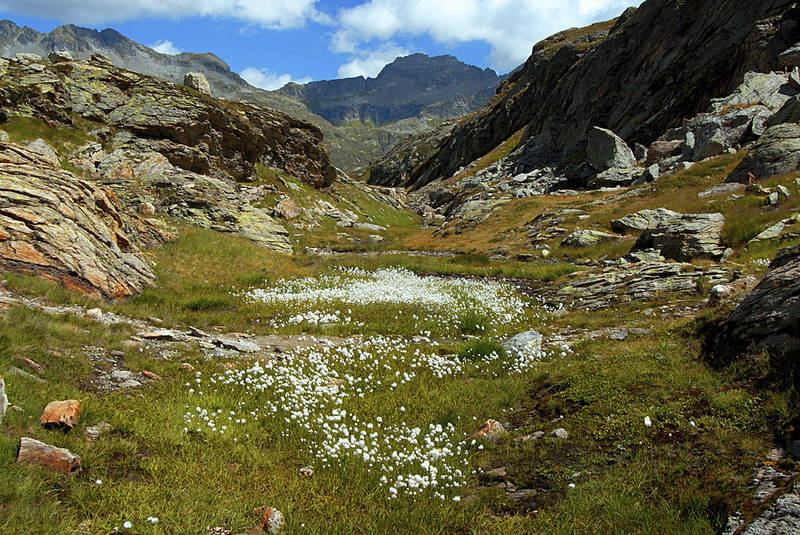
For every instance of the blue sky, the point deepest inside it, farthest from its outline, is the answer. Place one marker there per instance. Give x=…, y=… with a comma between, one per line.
x=272, y=42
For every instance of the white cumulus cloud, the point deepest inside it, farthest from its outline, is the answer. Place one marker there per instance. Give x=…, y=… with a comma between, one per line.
x=510, y=27
x=166, y=47
x=368, y=63
x=269, y=80
x=279, y=14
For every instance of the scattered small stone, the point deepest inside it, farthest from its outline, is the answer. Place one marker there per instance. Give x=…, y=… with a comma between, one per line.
x=194, y=331
x=217, y=530
x=773, y=198
x=238, y=345
x=161, y=334
x=523, y=494
x=130, y=383
x=61, y=414
x=122, y=375
x=32, y=451
x=491, y=430
x=117, y=354
x=307, y=471
x=94, y=313
x=187, y=366
x=96, y=431
x=776, y=454
x=648, y=422
x=272, y=520
x=3, y=400
x=151, y=375
x=497, y=473
x=783, y=190
x=560, y=433
x=33, y=365
x=618, y=334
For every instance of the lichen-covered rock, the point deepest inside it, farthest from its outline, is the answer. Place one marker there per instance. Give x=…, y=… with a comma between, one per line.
x=194, y=132
x=58, y=56
x=582, y=238
x=767, y=319
x=57, y=226
x=776, y=152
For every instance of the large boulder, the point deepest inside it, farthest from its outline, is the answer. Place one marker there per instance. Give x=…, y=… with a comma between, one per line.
x=776, y=153
x=687, y=237
x=675, y=235
x=606, y=150
x=768, y=319
x=644, y=220
x=57, y=226
x=198, y=82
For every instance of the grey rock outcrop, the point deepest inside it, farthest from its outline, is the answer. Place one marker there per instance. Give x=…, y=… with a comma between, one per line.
x=59, y=227
x=644, y=220
x=606, y=150
x=685, y=237
x=638, y=81
x=198, y=134
x=776, y=152
x=767, y=319
x=582, y=238
x=528, y=343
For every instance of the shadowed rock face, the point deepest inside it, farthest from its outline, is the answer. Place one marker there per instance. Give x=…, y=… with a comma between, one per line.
x=768, y=319
x=55, y=225
x=195, y=132
x=659, y=64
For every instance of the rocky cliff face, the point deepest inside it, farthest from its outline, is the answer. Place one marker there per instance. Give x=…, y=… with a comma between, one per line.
x=407, y=87
x=637, y=76
x=54, y=225
x=193, y=131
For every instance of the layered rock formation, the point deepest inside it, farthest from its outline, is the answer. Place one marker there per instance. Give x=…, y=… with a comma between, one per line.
x=55, y=225
x=768, y=319
x=195, y=132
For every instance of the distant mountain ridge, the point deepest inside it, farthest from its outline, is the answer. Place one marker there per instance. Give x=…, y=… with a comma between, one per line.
x=361, y=118
x=442, y=86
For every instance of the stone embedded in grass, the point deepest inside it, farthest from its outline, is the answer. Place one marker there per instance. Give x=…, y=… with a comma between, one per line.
x=61, y=460
x=307, y=471
x=528, y=343
x=3, y=399
x=96, y=431
x=161, y=334
x=238, y=345
x=560, y=433
x=150, y=375
x=491, y=430
x=30, y=364
x=61, y=414
x=272, y=520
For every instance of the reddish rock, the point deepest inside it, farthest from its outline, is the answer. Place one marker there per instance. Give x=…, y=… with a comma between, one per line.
x=58, y=459
x=287, y=209
x=491, y=429
x=30, y=364
x=272, y=520
x=151, y=375
x=61, y=414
